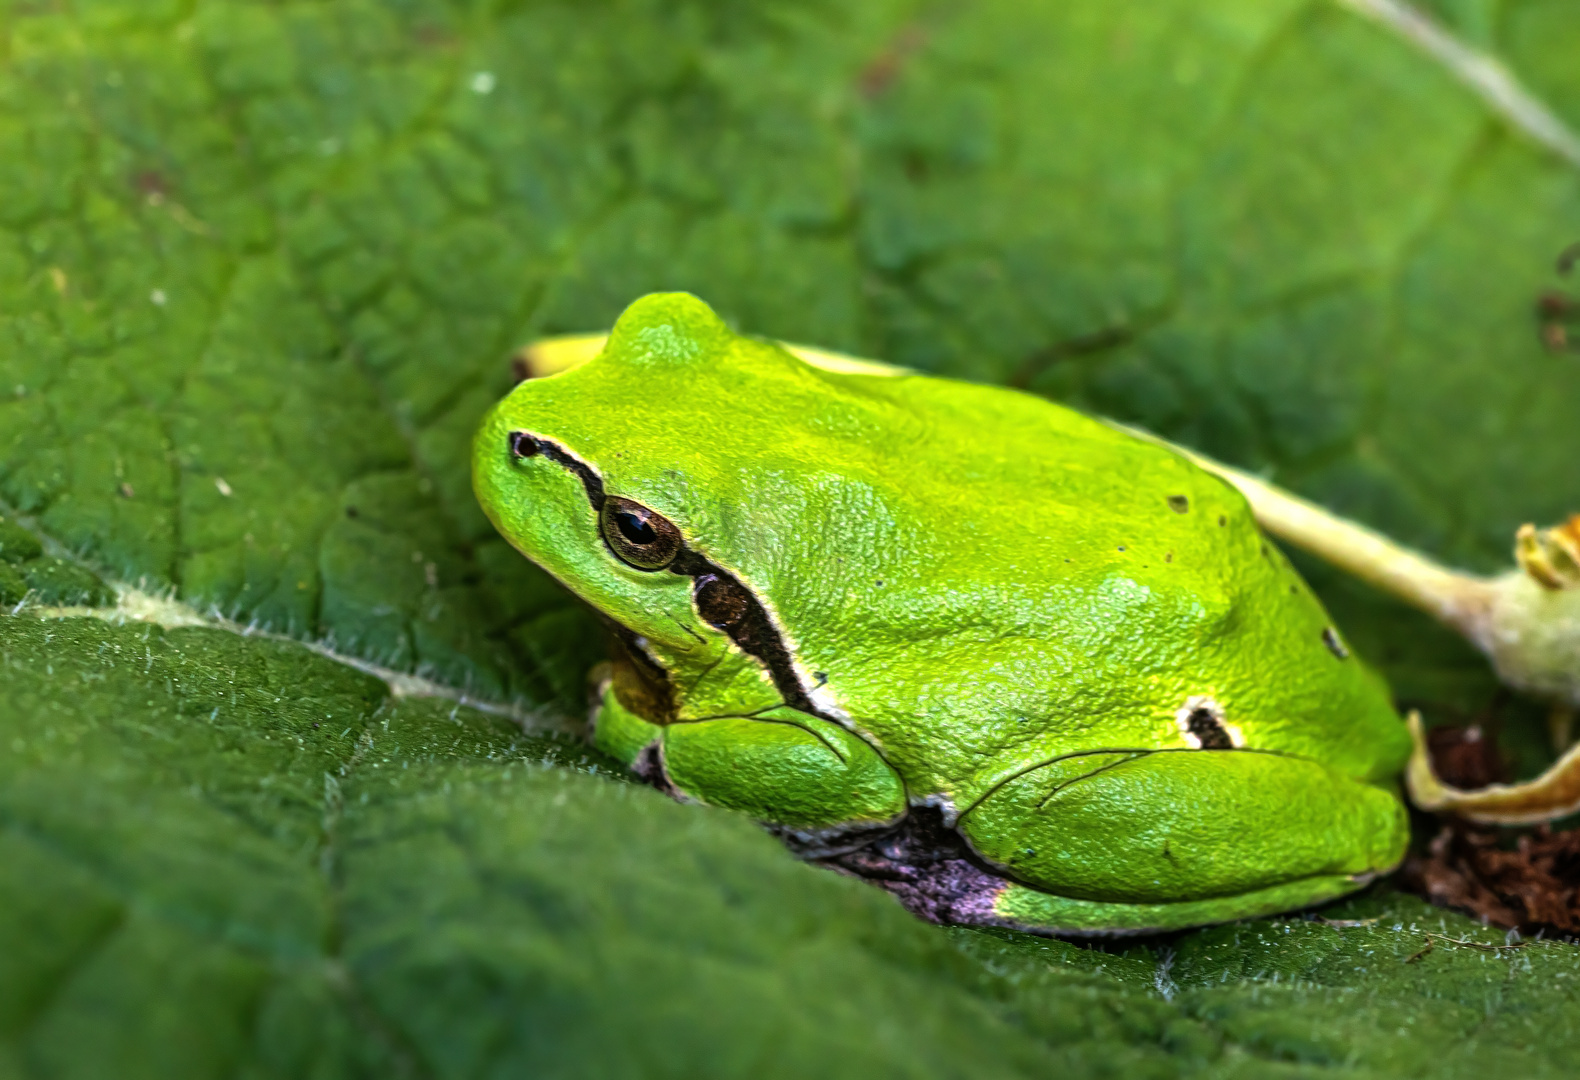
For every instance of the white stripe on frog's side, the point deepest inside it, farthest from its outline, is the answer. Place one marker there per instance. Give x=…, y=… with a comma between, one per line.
x=815, y=685
x=822, y=696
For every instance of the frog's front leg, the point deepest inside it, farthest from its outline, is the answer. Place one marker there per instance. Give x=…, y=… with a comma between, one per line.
x=812, y=780
x=1134, y=840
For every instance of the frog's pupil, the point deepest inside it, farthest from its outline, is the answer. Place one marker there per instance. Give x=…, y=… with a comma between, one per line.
x=635, y=529
x=523, y=445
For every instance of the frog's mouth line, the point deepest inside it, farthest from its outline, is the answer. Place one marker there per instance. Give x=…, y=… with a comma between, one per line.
x=652, y=694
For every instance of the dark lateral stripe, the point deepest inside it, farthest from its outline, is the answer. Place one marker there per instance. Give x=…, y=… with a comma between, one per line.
x=754, y=634
x=565, y=459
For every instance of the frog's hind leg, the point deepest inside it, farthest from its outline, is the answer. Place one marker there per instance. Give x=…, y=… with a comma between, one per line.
x=1131, y=841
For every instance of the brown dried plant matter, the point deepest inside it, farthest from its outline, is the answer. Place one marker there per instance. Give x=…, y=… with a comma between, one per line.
x=1531, y=883
x=1532, y=886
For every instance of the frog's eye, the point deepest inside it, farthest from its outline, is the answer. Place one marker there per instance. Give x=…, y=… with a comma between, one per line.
x=523, y=445
x=637, y=536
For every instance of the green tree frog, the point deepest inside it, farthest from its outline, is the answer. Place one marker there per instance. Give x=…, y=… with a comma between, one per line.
x=1018, y=667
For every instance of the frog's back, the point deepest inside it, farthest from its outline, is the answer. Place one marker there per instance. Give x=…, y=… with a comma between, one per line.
x=1081, y=586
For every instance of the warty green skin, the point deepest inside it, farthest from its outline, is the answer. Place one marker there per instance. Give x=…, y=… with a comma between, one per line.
x=1072, y=644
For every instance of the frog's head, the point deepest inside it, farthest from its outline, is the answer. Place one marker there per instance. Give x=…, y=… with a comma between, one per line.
x=638, y=481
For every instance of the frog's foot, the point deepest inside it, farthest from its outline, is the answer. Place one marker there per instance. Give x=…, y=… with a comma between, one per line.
x=806, y=841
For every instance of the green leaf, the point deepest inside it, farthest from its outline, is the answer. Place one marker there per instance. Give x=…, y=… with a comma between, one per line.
x=261, y=270
x=228, y=855
x=27, y=574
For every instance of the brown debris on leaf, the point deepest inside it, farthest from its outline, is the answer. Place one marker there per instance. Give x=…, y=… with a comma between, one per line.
x=1556, y=310
x=1533, y=886
x=885, y=68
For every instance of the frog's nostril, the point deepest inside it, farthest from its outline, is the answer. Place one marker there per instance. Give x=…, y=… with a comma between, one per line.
x=523, y=445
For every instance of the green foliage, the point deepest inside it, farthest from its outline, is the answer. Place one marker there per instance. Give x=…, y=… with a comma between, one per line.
x=261, y=269
x=26, y=573
x=231, y=856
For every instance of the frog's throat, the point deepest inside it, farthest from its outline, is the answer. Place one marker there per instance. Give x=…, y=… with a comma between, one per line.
x=641, y=682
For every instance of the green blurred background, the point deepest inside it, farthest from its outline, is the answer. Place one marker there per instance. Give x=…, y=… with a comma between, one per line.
x=262, y=267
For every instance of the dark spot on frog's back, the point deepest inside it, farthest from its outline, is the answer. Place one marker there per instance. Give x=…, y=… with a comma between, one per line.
x=1180, y=504
x=1209, y=731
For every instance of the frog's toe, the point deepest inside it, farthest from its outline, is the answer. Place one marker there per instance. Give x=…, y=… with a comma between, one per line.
x=1024, y=908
